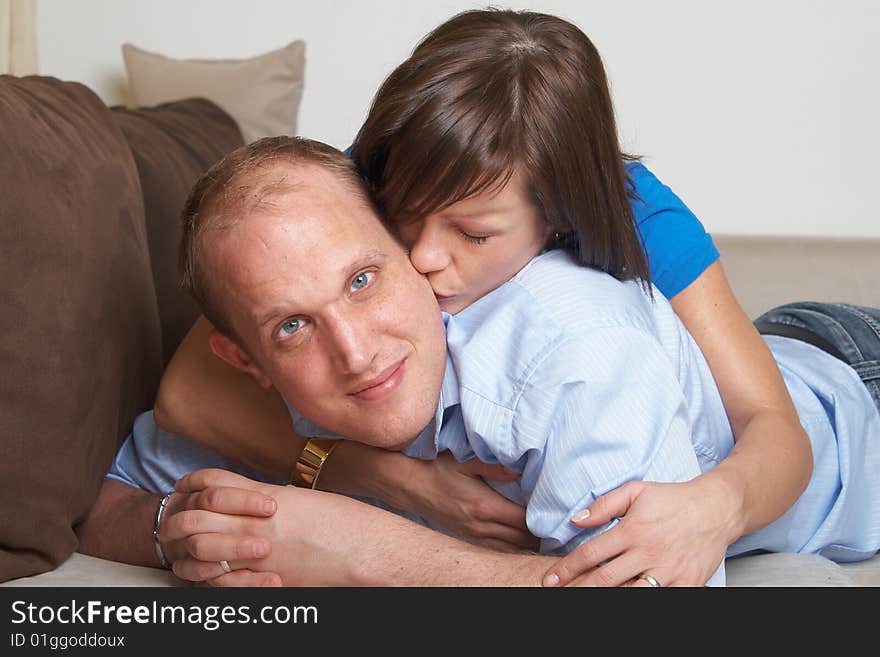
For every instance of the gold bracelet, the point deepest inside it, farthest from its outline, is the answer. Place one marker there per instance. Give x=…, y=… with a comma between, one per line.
x=311, y=460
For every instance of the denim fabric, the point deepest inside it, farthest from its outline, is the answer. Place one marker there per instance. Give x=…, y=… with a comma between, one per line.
x=853, y=330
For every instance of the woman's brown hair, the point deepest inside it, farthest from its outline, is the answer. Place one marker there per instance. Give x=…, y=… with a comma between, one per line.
x=492, y=90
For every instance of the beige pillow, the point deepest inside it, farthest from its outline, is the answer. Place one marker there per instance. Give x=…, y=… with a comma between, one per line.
x=262, y=93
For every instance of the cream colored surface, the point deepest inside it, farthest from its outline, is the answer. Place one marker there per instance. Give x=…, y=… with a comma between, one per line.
x=18, y=37
x=800, y=570
x=83, y=570
x=262, y=93
x=769, y=271
x=759, y=570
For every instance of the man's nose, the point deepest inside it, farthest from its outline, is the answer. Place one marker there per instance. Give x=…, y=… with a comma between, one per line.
x=353, y=346
x=430, y=252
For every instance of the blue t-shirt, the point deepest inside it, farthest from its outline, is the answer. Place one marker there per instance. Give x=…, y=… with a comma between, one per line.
x=677, y=246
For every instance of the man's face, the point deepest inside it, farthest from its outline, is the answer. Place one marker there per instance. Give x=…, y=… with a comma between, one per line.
x=331, y=311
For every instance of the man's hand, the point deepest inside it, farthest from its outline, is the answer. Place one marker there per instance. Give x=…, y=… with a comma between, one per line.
x=326, y=539
x=296, y=547
x=205, y=526
x=217, y=515
x=677, y=533
x=118, y=526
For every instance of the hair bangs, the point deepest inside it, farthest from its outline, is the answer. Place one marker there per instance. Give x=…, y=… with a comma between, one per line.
x=447, y=152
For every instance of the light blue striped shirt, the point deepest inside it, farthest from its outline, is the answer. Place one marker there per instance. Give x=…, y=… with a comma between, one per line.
x=582, y=383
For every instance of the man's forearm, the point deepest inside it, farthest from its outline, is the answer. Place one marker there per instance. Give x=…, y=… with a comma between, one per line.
x=326, y=539
x=423, y=557
x=119, y=524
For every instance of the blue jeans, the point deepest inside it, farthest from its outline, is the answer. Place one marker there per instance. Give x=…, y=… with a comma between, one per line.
x=851, y=333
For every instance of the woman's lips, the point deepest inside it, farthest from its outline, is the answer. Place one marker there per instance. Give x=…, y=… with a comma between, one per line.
x=450, y=304
x=383, y=385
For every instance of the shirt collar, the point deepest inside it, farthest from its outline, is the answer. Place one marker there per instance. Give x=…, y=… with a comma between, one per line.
x=426, y=445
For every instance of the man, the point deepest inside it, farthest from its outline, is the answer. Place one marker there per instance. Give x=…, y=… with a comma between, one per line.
x=339, y=388
x=571, y=378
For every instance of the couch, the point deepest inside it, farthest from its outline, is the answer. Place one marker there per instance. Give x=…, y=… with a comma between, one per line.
x=90, y=310
x=91, y=313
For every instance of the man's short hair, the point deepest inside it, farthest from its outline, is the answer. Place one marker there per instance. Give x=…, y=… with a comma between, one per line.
x=243, y=181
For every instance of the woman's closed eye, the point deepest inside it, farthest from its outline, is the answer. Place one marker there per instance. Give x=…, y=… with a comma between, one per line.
x=474, y=239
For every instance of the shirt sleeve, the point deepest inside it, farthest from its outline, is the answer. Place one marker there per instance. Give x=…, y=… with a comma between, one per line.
x=153, y=459
x=677, y=246
x=616, y=413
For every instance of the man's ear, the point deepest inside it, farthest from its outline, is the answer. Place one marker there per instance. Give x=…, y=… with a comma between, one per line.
x=228, y=350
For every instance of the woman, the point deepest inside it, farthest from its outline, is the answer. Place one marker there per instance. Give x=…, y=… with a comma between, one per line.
x=486, y=96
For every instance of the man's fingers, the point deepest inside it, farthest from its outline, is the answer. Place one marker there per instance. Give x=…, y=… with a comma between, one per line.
x=207, y=477
x=186, y=523
x=246, y=578
x=195, y=570
x=587, y=556
x=232, y=501
x=213, y=547
x=613, y=504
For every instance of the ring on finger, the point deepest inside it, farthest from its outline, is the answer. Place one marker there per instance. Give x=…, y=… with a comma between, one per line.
x=650, y=580
x=226, y=569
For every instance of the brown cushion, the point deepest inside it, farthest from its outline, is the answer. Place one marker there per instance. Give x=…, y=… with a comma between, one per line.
x=173, y=144
x=79, y=329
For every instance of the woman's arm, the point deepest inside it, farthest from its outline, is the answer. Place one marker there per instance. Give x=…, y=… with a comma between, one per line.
x=772, y=461
x=217, y=406
x=760, y=479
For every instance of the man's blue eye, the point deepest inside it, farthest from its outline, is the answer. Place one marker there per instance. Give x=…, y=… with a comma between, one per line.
x=361, y=280
x=291, y=326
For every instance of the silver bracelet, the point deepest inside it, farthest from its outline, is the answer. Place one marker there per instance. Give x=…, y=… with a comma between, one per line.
x=156, y=521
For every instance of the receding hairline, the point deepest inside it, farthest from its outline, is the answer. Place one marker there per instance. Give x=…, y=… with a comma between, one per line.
x=261, y=187
x=261, y=191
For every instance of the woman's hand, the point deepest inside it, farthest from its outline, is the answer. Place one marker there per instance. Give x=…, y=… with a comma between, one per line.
x=452, y=495
x=677, y=533
x=455, y=496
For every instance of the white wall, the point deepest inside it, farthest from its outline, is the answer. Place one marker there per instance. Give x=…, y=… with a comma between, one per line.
x=761, y=115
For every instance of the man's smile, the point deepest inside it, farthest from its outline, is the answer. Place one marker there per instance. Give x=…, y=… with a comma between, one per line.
x=381, y=386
